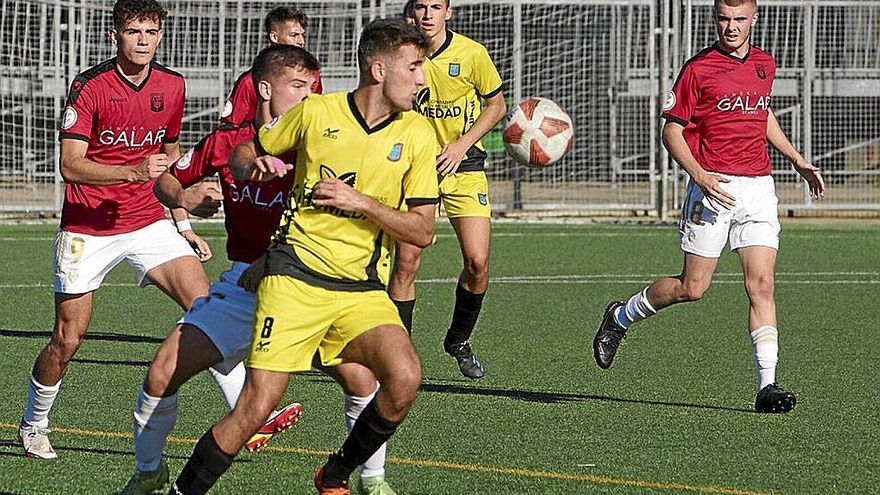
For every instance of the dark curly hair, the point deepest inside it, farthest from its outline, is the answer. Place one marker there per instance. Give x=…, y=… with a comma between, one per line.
x=127, y=10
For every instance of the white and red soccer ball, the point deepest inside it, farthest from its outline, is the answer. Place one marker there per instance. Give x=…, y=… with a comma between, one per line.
x=537, y=132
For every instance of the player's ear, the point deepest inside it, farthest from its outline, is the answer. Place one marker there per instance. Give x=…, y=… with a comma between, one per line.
x=754, y=19
x=264, y=89
x=273, y=36
x=448, y=12
x=111, y=35
x=377, y=70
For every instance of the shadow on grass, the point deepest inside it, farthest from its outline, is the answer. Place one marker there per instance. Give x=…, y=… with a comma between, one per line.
x=106, y=336
x=69, y=448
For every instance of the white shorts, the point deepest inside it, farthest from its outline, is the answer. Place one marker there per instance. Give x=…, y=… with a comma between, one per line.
x=226, y=316
x=753, y=221
x=82, y=261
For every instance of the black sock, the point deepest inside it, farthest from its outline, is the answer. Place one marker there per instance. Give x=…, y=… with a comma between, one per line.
x=369, y=432
x=464, y=316
x=405, y=310
x=204, y=467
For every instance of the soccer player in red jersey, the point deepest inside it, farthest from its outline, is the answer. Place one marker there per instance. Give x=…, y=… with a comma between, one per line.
x=284, y=26
x=216, y=333
x=119, y=131
x=718, y=124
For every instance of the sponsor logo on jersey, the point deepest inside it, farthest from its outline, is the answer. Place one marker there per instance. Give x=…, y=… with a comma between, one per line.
x=227, y=110
x=330, y=133
x=454, y=70
x=760, y=72
x=255, y=194
x=157, y=102
x=131, y=138
x=69, y=118
x=396, y=152
x=670, y=101
x=185, y=161
x=303, y=197
x=747, y=103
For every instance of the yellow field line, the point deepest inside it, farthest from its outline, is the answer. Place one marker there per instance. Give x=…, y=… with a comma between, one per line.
x=475, y=468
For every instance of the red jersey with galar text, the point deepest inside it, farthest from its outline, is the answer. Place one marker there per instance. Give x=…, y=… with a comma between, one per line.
x=122, y=123
x=723, y=103
x=241, y=107
x=253, y=209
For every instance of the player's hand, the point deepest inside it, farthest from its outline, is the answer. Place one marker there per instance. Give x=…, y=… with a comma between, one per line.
x=813, y=176
x=251, y=277
x=338, y=194
x=198, y=245
x=450, y=158
x=202, y=200
x=268, y=167
x=718, y=198
x=150, y=167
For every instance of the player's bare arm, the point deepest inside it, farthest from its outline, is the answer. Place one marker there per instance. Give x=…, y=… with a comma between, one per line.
x=673, y=140
x=77, y=169
x=454, y=153
x=245, y=164
x=415, y=226
x=202, y=200
x=811, y=173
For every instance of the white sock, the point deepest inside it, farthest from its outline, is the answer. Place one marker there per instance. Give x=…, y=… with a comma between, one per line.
x=154, y=418
x=375, y=465
x=635, y=310
x=765, y=349
x=39, y=403
x=230, y=384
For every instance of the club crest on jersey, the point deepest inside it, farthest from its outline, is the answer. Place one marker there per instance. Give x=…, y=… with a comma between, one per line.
x=759, y=70
x=483, y=199
x=157, y=102
x=396, y=152
x=185, y=161
x=454, y=70
x=227, y=109
x=670, y=101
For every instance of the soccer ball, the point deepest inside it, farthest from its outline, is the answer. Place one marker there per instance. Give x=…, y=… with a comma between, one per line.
x=537, y=132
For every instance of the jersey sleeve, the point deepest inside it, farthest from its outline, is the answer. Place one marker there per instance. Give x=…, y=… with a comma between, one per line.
x=487, y=81
x=682, y=100
x=172, y=133
x=284, y=132
x=242, y=103
x=80, y=112
x=420, y=182
x=199, y=162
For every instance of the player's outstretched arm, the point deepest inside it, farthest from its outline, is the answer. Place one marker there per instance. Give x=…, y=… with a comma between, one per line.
x=415, y=226
x=454, y=153
x=245, y=164
x=77, y=169
x=777, y=138
x=202, y=200
x=673, y=140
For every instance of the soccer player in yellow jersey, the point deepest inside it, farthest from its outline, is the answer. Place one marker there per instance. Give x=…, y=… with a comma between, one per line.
x=459, y=75
x=361, y=156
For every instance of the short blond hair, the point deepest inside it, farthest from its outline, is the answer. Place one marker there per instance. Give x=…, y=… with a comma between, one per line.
x=735, y=3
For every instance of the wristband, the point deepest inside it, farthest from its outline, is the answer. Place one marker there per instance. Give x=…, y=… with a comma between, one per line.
x=183, y=226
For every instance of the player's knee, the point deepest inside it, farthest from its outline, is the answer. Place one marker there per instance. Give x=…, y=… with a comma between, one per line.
x=404, y=386
x=693, y=291
x=159, y=382
x=65, y=344
x=760, y=288
x=477, y=266
x=407, y=265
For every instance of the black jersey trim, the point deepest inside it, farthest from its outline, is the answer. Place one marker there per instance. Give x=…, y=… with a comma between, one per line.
x=171, y=140
x=258, y=145
x=162, y=68
x=134, y=87
x=443, y=47
x=360, y=118
x=372, y=270
x=282, y=260
x=73, y=135
x=743, y=60
x=421, y=201
x=673, y=118
x=475, y=161
x=493, y=92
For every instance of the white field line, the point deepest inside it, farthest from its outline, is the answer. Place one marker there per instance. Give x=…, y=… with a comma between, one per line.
x=840, y=278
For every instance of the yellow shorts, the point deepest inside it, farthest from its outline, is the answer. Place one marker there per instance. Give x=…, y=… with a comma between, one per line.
x=293, y=319
x=466, y=194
